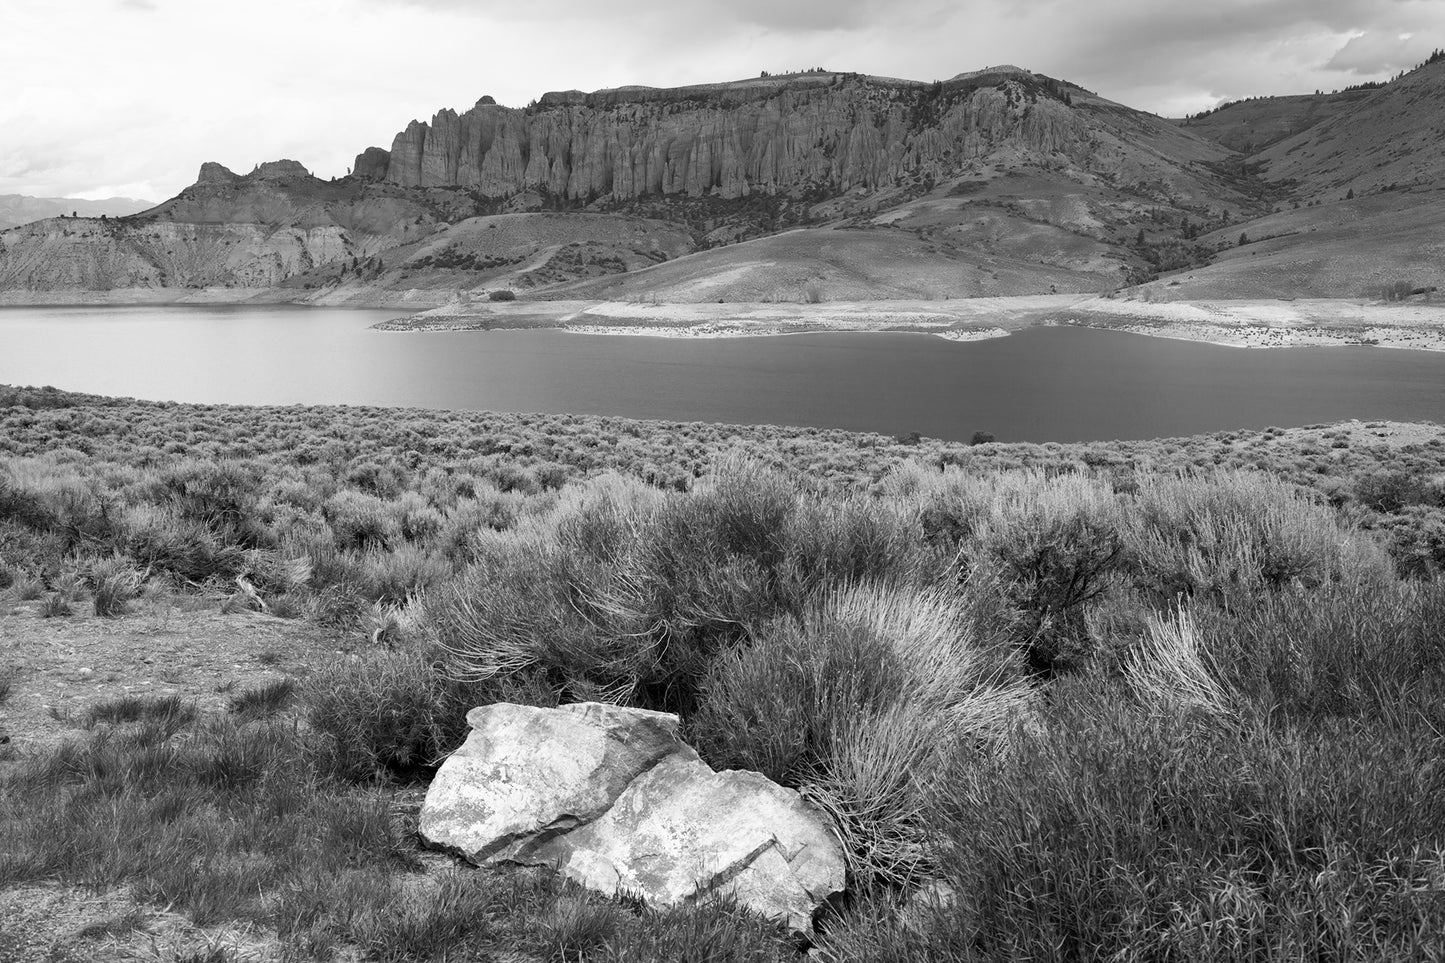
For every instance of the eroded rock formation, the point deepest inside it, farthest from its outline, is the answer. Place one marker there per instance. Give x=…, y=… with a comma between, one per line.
x=823, y=132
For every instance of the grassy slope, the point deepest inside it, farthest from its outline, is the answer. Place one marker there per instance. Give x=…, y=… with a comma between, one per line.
x=1338, y=249
x=1388, y=137
x=1250, y=126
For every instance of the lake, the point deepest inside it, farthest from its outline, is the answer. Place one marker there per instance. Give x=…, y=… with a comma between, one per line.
x=1044, y=384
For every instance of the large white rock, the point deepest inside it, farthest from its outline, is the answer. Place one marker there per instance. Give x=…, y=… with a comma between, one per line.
x=614, y=800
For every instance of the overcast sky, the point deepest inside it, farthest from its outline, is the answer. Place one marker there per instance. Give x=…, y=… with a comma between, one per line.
x=129, y=97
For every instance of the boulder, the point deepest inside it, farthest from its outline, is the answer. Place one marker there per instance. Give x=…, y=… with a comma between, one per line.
x=614, y=800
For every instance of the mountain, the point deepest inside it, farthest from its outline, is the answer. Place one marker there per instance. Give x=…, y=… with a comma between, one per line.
x=1358, y=185
x=819, y=185
x=16, y=209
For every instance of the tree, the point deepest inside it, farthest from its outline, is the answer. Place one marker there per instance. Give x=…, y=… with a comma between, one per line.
x=981, y=438
x=1243, y=239
x=1351, y=195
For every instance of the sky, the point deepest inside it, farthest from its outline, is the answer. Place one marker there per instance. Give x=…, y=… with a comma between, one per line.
x=129, y=97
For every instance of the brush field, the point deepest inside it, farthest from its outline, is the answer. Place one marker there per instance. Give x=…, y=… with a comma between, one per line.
x=1161, y=700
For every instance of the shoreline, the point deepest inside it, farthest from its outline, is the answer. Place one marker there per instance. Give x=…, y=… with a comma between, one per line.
x=1246, y=324
x=1256, y=323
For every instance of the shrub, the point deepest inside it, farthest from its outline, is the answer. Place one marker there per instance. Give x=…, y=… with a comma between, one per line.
x=1056, y=546
x=1229, y=532
x=1394, y=490
x=399, y=714
x=397, y=577
x=502, y=294
x=627, y=595
x=160, y=537
x=1417, y=541
x=222, y=496
x=360, y=521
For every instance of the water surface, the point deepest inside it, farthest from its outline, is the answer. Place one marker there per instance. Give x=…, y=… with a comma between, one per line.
x=1043, y=384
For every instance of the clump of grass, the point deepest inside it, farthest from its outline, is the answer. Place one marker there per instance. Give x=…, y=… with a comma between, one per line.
x=55, y=605
x=717, y=930
x=1144, y=833
x=263, y=701
x=860, y=705
x=27, y=588
x=113, y=584
x=424, y=923
x=577, y=927
x=171, y=710
x=128, y=922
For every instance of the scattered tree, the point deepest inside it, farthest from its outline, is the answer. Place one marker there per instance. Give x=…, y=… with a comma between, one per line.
x=1243, y=239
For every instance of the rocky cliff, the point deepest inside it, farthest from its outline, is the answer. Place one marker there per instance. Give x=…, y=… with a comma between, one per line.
x=813, y=133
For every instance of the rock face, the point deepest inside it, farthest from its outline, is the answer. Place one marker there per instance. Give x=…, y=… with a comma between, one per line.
x=819, y=132
x=371, y=164
x=615, y=801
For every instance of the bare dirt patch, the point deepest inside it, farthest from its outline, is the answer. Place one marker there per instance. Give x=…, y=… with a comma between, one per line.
x=61, y=667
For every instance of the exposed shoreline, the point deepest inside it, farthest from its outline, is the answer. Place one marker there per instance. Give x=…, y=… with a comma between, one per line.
x=1240, y=323
x=1251, y=323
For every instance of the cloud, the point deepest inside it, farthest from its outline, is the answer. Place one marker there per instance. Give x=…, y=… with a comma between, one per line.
x=1375, y=52
x=645, y=16
x=345, y=74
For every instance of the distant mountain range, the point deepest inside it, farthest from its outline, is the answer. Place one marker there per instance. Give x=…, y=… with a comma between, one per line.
x=816, y=186
x=16, y=209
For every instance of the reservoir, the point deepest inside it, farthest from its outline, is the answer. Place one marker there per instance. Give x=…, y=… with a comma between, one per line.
x=1042, y=384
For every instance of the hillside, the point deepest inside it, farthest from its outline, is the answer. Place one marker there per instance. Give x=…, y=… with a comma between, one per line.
x=226, y=230
x=1385, y=140
x=1366, y=247
x=1251, y=125
x=17, y=209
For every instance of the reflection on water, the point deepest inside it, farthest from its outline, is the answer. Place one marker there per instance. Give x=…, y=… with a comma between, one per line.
x=1047, y=384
